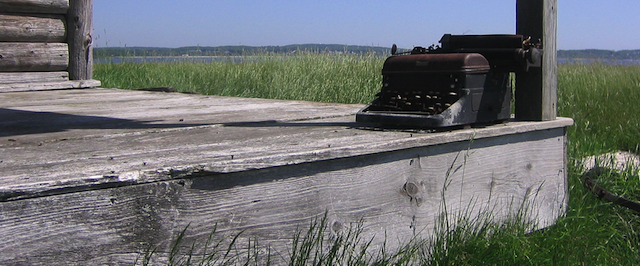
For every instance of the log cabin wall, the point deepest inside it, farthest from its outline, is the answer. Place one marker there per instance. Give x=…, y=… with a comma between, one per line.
x=45, y=44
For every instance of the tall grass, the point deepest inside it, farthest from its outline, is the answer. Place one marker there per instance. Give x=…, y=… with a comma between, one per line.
x=600, y=98
x=340, y=78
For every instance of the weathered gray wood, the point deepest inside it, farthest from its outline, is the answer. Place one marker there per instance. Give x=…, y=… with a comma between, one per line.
x=80, y=26
x=536, y=91
x=49, y=85
x=35, y=6
x=27, y=77
x=272, y=204
x=16, y=56
x=95, y=176
x=399, y=194
x=223, y=129
x=32, y=28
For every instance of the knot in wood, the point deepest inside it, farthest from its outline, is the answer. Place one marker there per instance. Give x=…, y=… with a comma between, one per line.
x=336, y=226
x=411, y=188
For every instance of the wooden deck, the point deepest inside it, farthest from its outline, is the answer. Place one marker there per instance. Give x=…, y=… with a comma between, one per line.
x=98, y=175
x=55, y=140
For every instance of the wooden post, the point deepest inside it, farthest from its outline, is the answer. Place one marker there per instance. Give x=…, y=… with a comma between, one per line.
x=80, y=24
x=536, y=91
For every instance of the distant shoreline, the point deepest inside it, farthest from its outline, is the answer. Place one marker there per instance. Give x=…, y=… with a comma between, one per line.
x=240, y=59
x=225, y=51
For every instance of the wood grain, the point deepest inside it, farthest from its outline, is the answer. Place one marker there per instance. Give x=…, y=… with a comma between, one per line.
x=32, y=28
x=498, y=174
x=15, y=56
x=48, y=85
x=31, y=77
x=142, y=137
x=98, y=176
x=80, y=39
x=35, y=6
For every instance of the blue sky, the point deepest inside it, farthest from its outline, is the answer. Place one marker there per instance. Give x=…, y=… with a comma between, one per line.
x=582, y=24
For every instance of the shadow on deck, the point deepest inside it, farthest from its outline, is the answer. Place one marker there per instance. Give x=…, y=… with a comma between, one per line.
x=20, y=122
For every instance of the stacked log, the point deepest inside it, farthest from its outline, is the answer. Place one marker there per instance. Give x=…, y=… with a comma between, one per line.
x=44, y=41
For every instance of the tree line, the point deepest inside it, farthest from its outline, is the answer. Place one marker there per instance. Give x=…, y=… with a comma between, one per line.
x=600, y=54
x=240, y=50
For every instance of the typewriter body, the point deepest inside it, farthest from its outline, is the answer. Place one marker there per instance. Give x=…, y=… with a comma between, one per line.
x=465, y=81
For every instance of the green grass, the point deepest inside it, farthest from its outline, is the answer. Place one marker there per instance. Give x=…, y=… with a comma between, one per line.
x=600, y=98
x=347, y=78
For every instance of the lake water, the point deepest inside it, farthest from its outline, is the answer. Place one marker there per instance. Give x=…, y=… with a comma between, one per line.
x=172, y=59
x=240, y=59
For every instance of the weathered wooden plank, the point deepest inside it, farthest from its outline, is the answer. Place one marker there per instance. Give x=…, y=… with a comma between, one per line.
x=31, y=77
x=115, y=172
x=49, y=85
x=166, y=108
x=536, y=91
x=94, y=233
x=35, y=6
x=135, y=135
x=16, y=56
x=32, y=28
x=398, y=194
x=79, y=38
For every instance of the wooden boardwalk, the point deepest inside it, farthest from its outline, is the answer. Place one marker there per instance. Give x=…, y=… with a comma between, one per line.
x=98, y=175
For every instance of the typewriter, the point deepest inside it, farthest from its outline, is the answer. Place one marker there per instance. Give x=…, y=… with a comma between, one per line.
x=465, y=81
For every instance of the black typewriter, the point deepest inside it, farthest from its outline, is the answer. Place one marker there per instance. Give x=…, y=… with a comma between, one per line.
x=465, y=81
